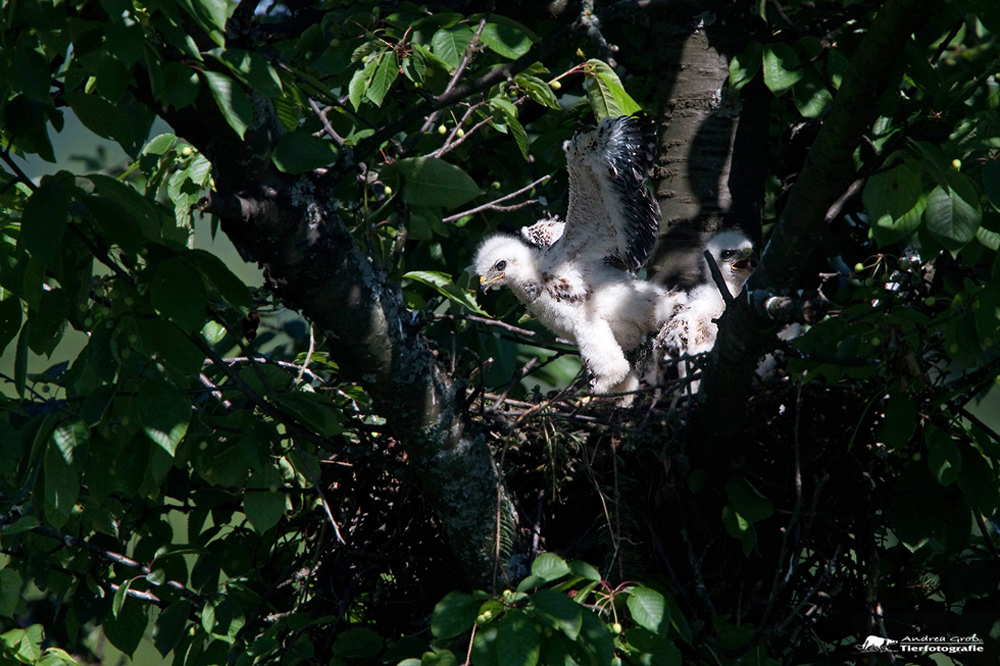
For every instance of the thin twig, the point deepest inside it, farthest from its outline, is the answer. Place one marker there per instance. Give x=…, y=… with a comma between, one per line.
x=713, y=268
x=492, y=204
x=327, y=127
x=469, y=50
x=500, y=324
x=117, y=558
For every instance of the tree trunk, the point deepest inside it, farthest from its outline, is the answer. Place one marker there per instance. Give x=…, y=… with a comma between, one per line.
x=310, y=258
x=705, y=130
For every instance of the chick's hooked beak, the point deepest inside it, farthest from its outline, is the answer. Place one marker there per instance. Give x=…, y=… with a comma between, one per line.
x=747, y=261
x=485, y=283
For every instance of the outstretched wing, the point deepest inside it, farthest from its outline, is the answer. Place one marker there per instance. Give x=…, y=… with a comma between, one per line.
x=612, y=215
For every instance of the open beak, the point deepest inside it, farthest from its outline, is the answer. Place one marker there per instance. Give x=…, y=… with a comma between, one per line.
x=747, y=262
x=485, y=284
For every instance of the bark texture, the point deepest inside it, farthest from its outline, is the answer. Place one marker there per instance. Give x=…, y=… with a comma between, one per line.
x=290, y=227
x=705, y=131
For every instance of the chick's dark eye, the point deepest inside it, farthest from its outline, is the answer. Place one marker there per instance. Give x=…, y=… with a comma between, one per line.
x=501, y=265
x=726, y=254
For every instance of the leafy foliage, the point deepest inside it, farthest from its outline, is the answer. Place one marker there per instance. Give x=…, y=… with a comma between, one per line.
x=188, y=468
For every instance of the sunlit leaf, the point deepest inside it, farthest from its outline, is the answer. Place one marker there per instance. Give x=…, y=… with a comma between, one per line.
x=782, y=67
x=429, y=181
x=232, y=101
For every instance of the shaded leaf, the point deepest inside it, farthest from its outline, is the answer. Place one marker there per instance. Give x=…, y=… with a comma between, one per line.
x=517, y=640
x=559, y=611
x=165, y=413
x=454, y=614
x=746, y=499
x=178, y=293
x=953, y=215
x=944, y=460
x=357, y=643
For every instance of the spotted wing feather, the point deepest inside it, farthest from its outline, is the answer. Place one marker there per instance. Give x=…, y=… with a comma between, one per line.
x=544, y=233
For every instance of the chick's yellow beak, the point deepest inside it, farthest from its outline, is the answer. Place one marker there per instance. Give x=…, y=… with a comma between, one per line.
x=747, y=260
x=485, y=283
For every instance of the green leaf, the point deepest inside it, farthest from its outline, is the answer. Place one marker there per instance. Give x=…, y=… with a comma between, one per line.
x=991, y=182
x=444, y=285
x=301, y=152
x=382, y=78
x=125, y=630
x=649, y=609
x=944, y=460
x=450, y=44
x=506, y=39
x=596, y=639
x=120, y=595
x=584, y=571
x=782, y=67
x=894, y=192
x=231, y=288
x=315, y=411
x=747, y=500
x=900, y=421
x=357, y=643
x=953, y=215
x=978, y=480
x=517, y=640
x=10, y=320
x=429, y=181
x=142, y=210
x=21, y=359
x=537, y=90
x=606, y=93
x=263, y=503
x=165, y=413
x=171, y=346
x=745, y=66
x=439, y=657
x=811, y=96
x=559, y=611
x=454, y=614
x=102, y=118
x=68, y=437
x=170, y=625
x=211, y=15
x=360, y=81
x=484, y=645
x=255, y=69
x=232, y=102
x=549, y=567
x=62, y=487
x=10, y=592
x=178, y=293
x=43, y=221
x=509, y=113
x=740, y=528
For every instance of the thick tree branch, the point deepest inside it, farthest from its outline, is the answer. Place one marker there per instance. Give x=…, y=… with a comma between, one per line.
x=828, y=173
